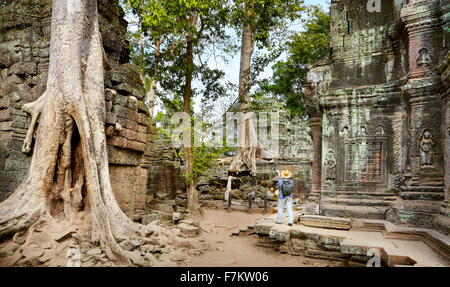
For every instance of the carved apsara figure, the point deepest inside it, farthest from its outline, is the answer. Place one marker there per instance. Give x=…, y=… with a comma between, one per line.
x=363, y=131
x=427, y=144
x=379, y=131
x=330, y=163
x=424, y=59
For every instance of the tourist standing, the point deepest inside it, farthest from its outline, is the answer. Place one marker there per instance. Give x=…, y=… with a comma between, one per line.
x=285, y=187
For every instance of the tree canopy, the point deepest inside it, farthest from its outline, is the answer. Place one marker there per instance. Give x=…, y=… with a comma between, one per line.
x=305, y=48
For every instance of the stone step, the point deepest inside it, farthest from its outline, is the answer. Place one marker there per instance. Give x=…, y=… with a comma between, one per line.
x=433, y=196
x=326, y=222
x=436, y=240
x=356, y=201
x=355, y=211
x=442, y=224
x=359, y=194
x=355, y=245
x=437, y=189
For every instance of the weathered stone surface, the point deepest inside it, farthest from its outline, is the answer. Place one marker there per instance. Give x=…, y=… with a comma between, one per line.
x=8, y=249
x=188, y=230
x=94, y=251
x=32, y=253
x=326, y=222
x=177, y=216
x=137, y=259
x=280, y=233
x=163, y=207
x=377, y=116
x=263, y=227
x=149, y=218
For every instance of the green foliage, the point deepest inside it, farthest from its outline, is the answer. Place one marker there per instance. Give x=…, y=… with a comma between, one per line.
x=205, y=159
x=269, y=21
x=168, y=22
x=305, y=48
x=266, y=17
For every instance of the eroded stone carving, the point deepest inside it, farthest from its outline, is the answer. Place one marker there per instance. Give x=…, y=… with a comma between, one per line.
x=379, y=131
x=427, y=144
x=363, y=131
x=385, y=88
x=330, y=163
x=344, y=132
x=424, y=59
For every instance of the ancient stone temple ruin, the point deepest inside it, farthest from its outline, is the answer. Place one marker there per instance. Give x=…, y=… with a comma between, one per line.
x=380, y=114
x=24, y=59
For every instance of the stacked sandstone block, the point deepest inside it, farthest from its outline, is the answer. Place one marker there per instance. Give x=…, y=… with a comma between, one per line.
x=24, y=57
x=127, y=115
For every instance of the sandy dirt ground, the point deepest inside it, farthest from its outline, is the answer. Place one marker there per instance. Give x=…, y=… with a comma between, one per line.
x=242, y=251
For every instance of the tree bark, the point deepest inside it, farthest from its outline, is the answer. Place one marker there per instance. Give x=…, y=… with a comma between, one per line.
x=249, y=148
x=245, y=159
x=150, y=84
x=247, y=48
x=153, y=82
x=69, y=172
x=192, y=194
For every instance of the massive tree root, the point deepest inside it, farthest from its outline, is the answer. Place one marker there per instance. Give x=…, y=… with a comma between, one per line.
x=249, y=149
x=69, y=175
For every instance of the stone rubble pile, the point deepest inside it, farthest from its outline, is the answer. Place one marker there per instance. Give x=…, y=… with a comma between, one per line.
x=169, y=245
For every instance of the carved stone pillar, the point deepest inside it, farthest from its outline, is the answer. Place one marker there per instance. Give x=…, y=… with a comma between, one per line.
x=445, y=77
x=424, y=179
x=316, y=170
x=446, y=204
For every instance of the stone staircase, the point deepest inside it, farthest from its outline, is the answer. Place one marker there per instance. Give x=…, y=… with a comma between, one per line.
x=356, y=241
x=353, y=204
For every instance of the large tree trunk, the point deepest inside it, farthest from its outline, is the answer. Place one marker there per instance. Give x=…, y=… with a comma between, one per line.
x=245, y=159
x=150, y=83
x=249, y=148
x=192, y=194
x=247, y=48
x=153, y=81
x=68, y=183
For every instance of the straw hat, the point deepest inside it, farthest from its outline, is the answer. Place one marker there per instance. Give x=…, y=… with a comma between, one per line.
x=286, y=174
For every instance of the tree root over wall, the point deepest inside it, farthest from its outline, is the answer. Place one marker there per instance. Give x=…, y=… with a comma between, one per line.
x=68, y=186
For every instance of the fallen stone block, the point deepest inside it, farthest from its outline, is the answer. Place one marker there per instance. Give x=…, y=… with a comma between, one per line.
x=263, y=227
x=94, y=251
x=48, y=255
x=279, y=233
x=188, y=230
x=149, y=218
x=137, y=259
x=127, y=245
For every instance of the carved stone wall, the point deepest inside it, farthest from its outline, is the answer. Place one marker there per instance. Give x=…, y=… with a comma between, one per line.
x=381, y=102
x=24, y=51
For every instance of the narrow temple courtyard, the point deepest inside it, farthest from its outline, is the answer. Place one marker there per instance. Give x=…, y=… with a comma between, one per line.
x=219, y=228
x=231, y=251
